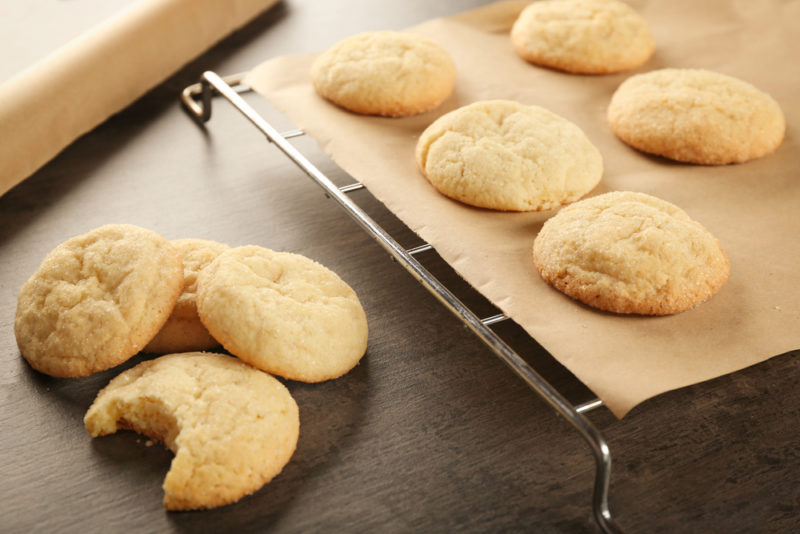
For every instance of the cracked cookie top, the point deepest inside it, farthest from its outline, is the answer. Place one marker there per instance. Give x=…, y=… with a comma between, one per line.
x=630, y=252
x=282, y=313
x=96, y=300
x=696, y=116
x=582, y=36
x=504, y=155
x=393, y=74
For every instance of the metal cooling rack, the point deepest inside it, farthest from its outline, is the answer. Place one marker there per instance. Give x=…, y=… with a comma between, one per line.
x=197, y=101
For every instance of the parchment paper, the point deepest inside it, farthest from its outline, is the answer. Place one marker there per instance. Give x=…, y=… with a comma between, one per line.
x=753, y=208
x=52, y=103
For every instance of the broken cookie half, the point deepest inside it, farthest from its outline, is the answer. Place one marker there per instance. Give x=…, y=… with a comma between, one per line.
x=232, y=427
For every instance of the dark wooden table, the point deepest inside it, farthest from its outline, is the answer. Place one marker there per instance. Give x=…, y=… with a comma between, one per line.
x=431, y=432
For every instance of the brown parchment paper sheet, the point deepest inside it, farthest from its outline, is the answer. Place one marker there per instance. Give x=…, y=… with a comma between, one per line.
x=47, y=106
x=753, y=208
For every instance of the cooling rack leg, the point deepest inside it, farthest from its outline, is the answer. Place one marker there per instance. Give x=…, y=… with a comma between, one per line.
x=602, y=455
x=200, y=112
x=203, y=91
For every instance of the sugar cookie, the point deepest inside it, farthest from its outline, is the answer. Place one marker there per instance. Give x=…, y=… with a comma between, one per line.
x=282, y=313
x=696, y=116
x=629, y=252
x=232, y=427
x=582, y=36
x=183, y=331
x=97, y=299
x=504, y=155
x=387, y=73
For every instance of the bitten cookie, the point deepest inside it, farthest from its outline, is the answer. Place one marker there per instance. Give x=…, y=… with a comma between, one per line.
x=582, y=36
x=504, y=155
x=183, y=331
x=629, y=252
x=282, y=313
x=232, y=428
x=97, y=299
x=387, y=73
x=696, y=116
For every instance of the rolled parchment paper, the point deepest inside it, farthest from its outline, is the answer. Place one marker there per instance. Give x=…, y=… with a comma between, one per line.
x=66, y=94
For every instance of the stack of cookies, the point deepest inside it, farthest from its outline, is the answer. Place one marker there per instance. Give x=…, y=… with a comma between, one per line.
x=100, y=298
x=623, y=252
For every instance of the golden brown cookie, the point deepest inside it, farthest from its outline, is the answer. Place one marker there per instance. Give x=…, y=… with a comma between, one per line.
x=582, y=36
x=393, y=74
x=232, y=427
x=183, y=331
x=282, y=313
x=504, y=155
x=97, y=299
x=629, y=252
x=696, y=116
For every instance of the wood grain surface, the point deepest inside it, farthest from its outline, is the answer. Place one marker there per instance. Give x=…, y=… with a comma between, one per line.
x=431, y=432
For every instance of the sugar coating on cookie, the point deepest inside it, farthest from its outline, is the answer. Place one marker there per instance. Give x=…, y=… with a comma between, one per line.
x=232, y=427
x=504, y=155
x=386, y=73
x=582, y=36
x=282, y=313
x=183, y=331
x=629, y=252
x=696, y=116
x=97, y=299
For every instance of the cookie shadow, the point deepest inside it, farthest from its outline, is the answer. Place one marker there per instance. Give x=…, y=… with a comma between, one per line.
x=665, y=161
x=71, y=397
